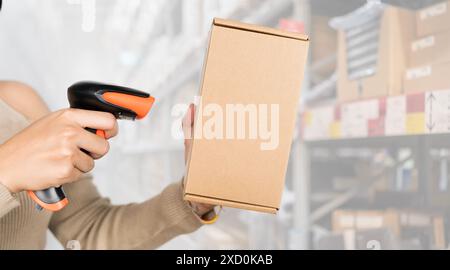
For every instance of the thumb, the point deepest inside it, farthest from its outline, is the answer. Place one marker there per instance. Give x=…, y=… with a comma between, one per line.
x=188, y=122
x=187, y=125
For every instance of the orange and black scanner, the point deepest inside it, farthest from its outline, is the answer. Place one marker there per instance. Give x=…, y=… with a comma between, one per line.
x=122, y=102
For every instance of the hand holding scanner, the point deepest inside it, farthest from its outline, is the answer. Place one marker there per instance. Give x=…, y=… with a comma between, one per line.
x=122, y=102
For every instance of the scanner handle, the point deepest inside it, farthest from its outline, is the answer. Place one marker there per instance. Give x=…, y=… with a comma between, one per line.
x=54, y=198
x=98, y=132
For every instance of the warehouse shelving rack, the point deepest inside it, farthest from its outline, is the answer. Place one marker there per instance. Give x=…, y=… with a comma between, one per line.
x=421, y=124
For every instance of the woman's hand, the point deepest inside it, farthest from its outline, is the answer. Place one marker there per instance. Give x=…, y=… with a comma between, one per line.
x=47, y=153
x=188, y=124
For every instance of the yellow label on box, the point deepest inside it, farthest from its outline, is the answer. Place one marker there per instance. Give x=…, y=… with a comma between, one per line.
x=415, y=123
x=335, y=130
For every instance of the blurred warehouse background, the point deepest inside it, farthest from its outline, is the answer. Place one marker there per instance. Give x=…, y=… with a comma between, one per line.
x=375, y=109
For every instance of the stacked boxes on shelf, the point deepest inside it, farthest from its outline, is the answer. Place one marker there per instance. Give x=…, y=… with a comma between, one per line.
x=388, y=51
x=323, y=47
x=401, y=227
x=372, y=51
x=430, y=52
x=322, y=78
x=365, y=220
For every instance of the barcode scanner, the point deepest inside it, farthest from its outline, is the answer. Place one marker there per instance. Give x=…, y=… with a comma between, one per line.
x=122, y=102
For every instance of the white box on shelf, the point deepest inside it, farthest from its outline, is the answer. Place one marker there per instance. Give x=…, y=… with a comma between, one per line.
x=437, y=111
x=355, y=117
x=317, y=126
x=395, y=121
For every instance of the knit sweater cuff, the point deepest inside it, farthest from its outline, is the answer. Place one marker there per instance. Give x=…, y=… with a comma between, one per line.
x=7, y=201
x=179, y=210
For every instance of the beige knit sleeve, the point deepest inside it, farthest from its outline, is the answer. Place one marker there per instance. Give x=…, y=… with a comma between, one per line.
x=7, y=201
x=96, y=224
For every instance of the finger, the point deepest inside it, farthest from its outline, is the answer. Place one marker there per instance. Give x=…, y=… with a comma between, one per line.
x=95, y=145
x=112, y=132
x=202, y=208
x=83, y=162
x=74, y=176
x=192, y=108
x=188, y=122
x=92, y=119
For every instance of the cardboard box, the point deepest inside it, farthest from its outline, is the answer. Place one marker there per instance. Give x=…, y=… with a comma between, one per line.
x=365, y=220
x=434, y=48
x=396, y=30
x=323, y=47
x=336, y=241
x=402, y=224
x=433, y=19
x=427, y=78
x=424, y=220
x=371, y=239
x=376, y=239
x=247, y=65
x=439, y=239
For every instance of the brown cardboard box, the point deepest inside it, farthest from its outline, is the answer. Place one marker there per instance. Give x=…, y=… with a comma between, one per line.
x=433, y=19
x=370, y=239
x=365, y=220
x=427, y=78
x=247, y=65
x=439, y=239
x=323, y=47
x=397, y=221
x=433, y=48
x=395, y=34
x=422, y=220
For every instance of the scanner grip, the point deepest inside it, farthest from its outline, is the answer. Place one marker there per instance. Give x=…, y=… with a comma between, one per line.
x=99, y=132
x=54, y=198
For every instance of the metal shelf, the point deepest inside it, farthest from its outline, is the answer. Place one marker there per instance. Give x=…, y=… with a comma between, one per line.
x=425, y=113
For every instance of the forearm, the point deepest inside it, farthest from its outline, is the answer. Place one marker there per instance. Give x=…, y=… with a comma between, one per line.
x=99, y=225
x=7, y=201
